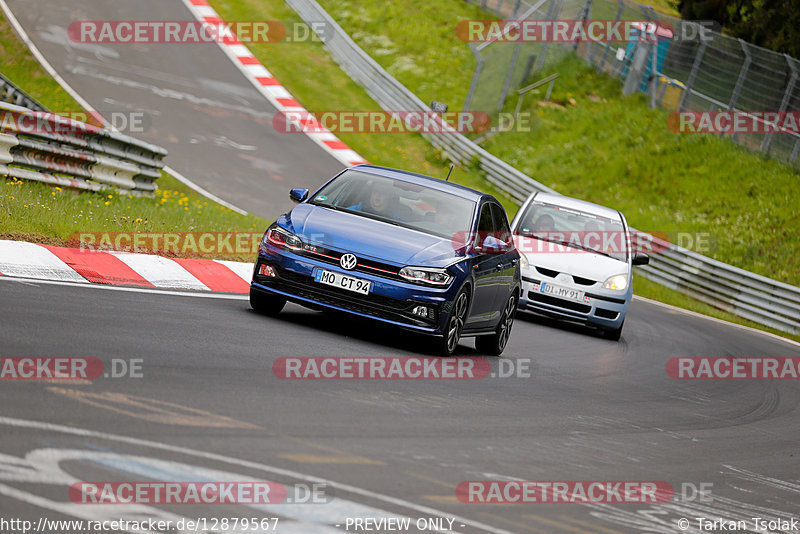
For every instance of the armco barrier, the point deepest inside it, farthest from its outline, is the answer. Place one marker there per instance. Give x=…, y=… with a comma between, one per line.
x=42, y=146
x=9, y=92
x=740, y=292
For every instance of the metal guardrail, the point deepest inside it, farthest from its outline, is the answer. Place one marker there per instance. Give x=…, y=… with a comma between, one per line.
x=723, y=286
x=44, y=147
x=392, y=95
x=9, y=92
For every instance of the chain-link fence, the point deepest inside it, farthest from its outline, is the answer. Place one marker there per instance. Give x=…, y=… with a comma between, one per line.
x=681, y=65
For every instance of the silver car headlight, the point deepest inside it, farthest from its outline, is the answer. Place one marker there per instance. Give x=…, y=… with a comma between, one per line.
x=427, y=276
x=618, y=282
x=523, y=261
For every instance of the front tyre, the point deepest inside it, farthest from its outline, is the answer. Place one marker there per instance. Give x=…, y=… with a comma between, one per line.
x=266, y=304
x=494, y=344
x=613, y=334
x=455, y=325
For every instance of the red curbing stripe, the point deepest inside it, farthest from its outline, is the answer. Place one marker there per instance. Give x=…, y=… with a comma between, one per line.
x=269, y=81
x=213, y=20
x=337, y=145
x=98, y=267
x=289, y=102
x=216, y=276
x=231, y=40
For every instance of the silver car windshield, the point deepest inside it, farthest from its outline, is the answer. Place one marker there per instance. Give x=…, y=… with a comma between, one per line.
x=397, y=202
x=574, y=229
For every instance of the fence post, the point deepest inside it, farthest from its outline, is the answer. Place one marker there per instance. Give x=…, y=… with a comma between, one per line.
x=509, y=75
x=604, y=59
x=651, y=17
x=740, y=80
x=585, y=14
x=767, y=143
x=552, y=13
x=693, y=74
x=475, y=76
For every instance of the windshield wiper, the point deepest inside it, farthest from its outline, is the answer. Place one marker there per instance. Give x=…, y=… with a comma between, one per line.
x=572, y=244
x=361, y=214
x=562, y=242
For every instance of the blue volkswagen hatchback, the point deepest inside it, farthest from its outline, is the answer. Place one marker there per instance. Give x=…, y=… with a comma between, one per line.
x=397, y=247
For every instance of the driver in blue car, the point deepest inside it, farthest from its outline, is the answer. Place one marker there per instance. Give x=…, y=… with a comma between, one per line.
x=383, y=202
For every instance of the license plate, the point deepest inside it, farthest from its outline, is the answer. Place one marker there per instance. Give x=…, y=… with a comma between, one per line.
x=563, y=292
x=343, y=281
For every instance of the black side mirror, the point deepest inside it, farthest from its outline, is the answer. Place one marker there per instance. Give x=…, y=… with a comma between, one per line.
x=640, y=258
x=298, y=195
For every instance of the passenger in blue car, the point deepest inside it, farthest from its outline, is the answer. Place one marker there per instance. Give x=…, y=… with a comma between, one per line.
x=383, y=202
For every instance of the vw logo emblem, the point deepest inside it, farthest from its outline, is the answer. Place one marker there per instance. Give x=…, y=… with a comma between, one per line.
x=348, y=261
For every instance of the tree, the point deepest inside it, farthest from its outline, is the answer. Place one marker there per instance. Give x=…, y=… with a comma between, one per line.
x=773, y=24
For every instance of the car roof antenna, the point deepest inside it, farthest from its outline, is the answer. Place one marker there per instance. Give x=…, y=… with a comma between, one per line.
x=448, y=172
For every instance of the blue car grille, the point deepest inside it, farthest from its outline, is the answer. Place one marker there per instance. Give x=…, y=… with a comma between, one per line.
x=372, y=304
x=331, y=256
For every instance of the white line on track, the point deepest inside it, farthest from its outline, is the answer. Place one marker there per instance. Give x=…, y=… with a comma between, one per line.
x=716, y=320
x=40, y=425
x=203, y=295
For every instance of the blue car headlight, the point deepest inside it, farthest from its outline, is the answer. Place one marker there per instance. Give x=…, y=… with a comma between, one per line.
x=428, y=276
x=283, y=238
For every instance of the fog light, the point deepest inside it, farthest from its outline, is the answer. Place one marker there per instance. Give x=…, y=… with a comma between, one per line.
x=266, y=270
x=423, y=311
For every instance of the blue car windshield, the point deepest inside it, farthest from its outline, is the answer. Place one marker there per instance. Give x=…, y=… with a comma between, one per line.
x=397, y=202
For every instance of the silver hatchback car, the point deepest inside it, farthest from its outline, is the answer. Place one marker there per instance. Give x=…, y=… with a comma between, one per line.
x=577, y=260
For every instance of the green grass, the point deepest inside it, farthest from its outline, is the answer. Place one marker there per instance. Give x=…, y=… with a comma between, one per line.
x=21, y=67
x=615, y=151
x=312, y=77
x=43, y=214
x=597, y=145
x=36, y=212
x=428, y=58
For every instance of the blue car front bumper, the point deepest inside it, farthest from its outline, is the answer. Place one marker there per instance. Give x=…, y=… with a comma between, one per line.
x=390, y=301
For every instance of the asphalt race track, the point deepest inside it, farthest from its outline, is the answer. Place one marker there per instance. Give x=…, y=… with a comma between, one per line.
x=590, y=409
x=204, y=403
